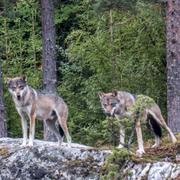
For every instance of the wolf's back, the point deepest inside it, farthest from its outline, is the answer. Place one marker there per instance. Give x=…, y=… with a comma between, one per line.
x=127, y=99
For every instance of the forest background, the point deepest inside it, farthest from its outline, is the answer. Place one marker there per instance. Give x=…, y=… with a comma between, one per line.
x=101, y=46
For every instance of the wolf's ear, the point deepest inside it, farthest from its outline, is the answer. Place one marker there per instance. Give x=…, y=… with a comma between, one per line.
x=24, y=78
x=114, y=93
x=100, y=94
x=7, y=80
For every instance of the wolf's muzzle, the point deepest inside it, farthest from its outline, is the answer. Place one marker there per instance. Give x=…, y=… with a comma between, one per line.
x=108, y=114
x=18, y=97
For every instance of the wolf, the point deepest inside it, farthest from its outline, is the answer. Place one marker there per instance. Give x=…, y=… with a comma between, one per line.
x=33, y=104
x=117, y=104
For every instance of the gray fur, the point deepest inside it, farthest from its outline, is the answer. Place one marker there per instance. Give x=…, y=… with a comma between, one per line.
x=38, y=105
x=125, y=101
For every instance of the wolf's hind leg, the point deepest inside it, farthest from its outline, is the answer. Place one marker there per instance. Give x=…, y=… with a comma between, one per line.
x=164, y=125
x=157, y=142
x=66, y=132
x=51, y=123
x=62, y=119
x=156, y=113
x=156, y=128
x=63, y=125
x=173, y=138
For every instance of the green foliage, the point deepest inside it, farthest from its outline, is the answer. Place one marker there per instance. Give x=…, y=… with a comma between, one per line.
x=114, y=164
x=133, y=60
x=94, y=54
x=20, y=51
x=142, y=103
x=104, y=5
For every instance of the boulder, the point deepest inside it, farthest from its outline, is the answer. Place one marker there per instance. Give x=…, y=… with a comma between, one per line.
x=46, y=160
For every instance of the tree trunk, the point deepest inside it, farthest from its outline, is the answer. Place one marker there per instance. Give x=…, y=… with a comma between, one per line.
x=173, y=64
x=3, y=129
x=49, y=53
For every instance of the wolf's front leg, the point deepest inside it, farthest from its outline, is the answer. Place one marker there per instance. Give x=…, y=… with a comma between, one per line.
x=121, y=133
x=24, y=127
x=140, y=150
x=122, y=136
x=32, y=129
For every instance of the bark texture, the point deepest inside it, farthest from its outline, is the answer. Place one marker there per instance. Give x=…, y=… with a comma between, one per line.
x=3, y=129
x=173, y=64
x=49, y=53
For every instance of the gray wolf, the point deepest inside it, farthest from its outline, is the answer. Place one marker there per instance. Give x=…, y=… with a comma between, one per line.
x=32, y=104
x=119, y=103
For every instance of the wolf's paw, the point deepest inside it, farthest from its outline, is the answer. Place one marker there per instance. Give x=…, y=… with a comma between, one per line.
x=155, y=145
x=30, y=144
x=23, y=144
x=140, y=152
x=69, y=140
x=174, y=140
x=59, y=144
x=120, y=146
x=69, y=144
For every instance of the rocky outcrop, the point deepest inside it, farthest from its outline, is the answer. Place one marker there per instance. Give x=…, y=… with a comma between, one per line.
x=153, y=171
x=47, y=161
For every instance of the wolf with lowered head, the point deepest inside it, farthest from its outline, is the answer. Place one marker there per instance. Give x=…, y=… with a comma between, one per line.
x=32, y=104
x=118, y=104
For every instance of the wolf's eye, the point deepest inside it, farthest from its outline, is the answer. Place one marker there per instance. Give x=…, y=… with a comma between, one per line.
x=113, y=104
x=13, y=88
x=21, y=87
x=105, y=105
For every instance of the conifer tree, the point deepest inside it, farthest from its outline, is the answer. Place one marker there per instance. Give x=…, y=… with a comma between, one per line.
x=173, y=65
x=3, y=129
x=49, y=53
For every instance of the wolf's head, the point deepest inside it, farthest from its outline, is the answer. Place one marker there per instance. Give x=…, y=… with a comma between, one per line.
x=110, y=103
x=17, y=86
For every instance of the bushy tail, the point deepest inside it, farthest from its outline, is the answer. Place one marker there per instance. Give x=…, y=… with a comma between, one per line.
x=61, y=130
x=154, y=125
x=55, y=117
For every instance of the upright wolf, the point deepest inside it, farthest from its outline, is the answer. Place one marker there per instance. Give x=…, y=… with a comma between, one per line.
x=119, y=103
x=32, y=104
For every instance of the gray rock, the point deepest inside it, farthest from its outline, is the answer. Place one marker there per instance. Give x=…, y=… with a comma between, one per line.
x=47, y=161
x=152, y=171
x=175, y=171
x=160, y=171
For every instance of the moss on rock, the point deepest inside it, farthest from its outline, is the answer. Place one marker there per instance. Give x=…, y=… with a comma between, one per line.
x=114, y=163
x=4, y=152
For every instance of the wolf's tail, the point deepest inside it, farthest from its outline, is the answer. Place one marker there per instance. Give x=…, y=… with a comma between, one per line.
x=61, y=131
x=154, y=125
x=55, y=117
